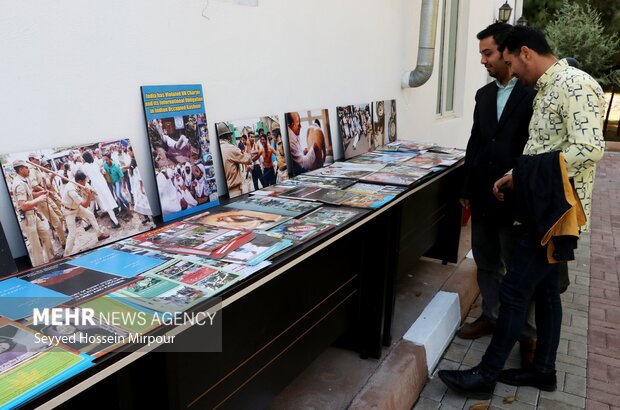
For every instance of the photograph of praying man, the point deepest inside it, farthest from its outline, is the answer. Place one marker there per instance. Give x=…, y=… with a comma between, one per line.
x=71, y=199
x=309, y=140
x=252, y=153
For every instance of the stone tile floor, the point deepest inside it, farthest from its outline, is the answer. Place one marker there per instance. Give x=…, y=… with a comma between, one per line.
x=588, y=361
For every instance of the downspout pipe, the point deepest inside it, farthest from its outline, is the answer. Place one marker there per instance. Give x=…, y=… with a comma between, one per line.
x=426, y=46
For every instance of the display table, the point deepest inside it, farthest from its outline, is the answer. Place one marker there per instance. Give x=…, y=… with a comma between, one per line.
x=337, y=288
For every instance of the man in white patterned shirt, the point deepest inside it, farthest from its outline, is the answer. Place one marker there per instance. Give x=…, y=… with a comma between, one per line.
x=568, y=117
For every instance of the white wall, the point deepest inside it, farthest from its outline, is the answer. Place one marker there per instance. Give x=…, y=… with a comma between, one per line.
x=71, y=69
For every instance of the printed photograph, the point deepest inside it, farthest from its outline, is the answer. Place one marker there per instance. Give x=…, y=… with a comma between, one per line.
x=74, y=198
x=383, y=123
x=161, y=295
x=332, y=216
x=309, y=140
x=176, y=124
x=274, y=205
x=252, y=153
x=79, y=283
x=323, y=182
x=240, y=219
x=193, y=239
x=300, y=230
x=262, y=247
x=195, y=275
x=17, y=345
x=355, y=129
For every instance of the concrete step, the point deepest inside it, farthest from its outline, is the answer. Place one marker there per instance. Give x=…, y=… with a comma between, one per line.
x=401, y=376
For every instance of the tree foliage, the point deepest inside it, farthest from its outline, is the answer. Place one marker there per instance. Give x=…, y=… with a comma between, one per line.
x=540, y=13
x=577, y=31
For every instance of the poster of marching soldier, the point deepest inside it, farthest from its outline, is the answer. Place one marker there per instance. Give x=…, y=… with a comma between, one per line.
x=176, y=124
x=75, y=198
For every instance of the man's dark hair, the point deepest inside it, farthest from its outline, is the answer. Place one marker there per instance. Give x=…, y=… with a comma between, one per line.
x=79, y=176
x=529, y=37
x=497, y=30
x=88, y=157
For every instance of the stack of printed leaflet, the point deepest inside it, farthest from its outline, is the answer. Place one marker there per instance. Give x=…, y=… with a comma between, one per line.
x=276, y=190
x=370, y=196
x=181, y=281
x=30, y=365
x=333, y=216
x=193, y=239
x=363, y=188
x=453, y=152
x=403, y=175
x=132, y=246
x=429, y=160
x=72, y=282
x=256, y=214
x=314, y=193
x=277, y=206
x=298, y=230
x=405, y=146
x=197, y=261
x=346, y=170
x=239, y=219
x=317, y=222
x=34, y=357
x=310, y=188
x=304, y=181
x=386, y=158
x=321, y=182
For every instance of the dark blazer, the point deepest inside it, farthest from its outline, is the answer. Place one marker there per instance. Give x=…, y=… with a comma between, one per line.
x=493, y=147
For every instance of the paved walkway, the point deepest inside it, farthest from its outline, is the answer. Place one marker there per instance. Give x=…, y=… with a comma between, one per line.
x=588, y=362
x=603, y=387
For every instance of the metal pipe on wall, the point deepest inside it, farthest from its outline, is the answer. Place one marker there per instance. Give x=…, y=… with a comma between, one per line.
x=426, y=46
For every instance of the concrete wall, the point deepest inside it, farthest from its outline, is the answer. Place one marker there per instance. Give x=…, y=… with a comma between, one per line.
x=71, y=69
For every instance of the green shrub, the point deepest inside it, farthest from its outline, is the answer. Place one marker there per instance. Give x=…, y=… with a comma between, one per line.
x=576, y=31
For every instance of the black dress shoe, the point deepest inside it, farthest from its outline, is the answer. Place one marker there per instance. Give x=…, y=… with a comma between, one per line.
x=529, y=377
x=468, y=382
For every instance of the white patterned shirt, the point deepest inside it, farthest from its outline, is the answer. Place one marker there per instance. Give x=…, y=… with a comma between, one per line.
x=569, y=109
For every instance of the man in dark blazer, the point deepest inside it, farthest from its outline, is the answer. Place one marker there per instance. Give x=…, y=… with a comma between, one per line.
x=501, y=117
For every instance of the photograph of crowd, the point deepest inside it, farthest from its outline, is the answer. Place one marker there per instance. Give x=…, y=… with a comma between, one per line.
x=355, y=128
x=71, y=199
x=252, y=154
x=183, y=164
x=309, y=140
